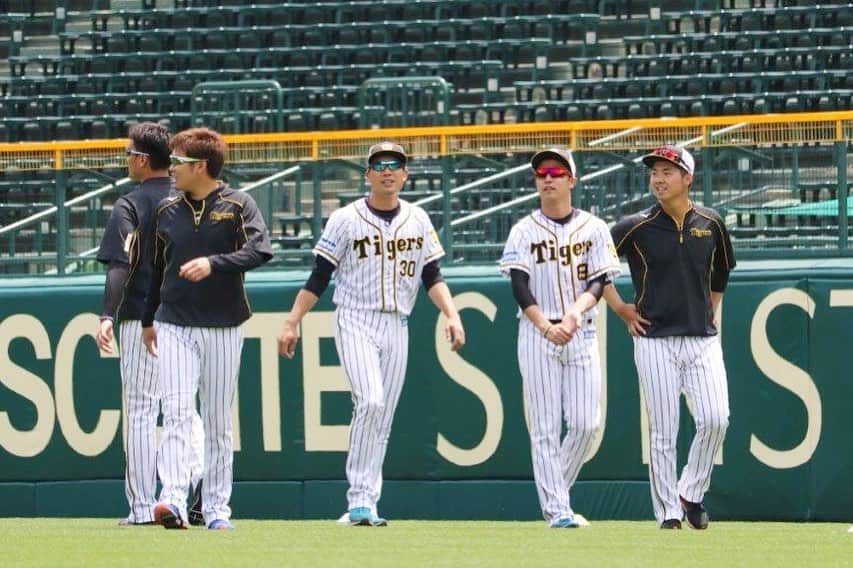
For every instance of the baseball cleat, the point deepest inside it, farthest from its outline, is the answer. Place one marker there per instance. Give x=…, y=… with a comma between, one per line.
x=220, y=525
x=168, y=516
x=364, y=517
x=850, y=530
x=671, y=524
x=695, y=513
x=194, y=515
x=565, y=523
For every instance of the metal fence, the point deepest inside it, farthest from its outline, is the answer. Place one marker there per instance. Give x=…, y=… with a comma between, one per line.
x=781, y=181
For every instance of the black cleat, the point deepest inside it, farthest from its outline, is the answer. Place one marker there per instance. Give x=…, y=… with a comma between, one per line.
x=671, y=524
x=695, y=513
x=194, y=515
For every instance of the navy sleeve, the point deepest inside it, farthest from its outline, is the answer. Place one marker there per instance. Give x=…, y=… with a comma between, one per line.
x=114, y=287
x=521, y=288
x=724, y=259
x=431, y=274
x=152, y=299
x=120, y=227
x=255, y=248
x=320, y=276
x=596, y=286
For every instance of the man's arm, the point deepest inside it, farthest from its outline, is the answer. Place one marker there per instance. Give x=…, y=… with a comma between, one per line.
x=305, y=300
x=117, y=276
x=440, y=295
x=255, y=249
x=636, y=323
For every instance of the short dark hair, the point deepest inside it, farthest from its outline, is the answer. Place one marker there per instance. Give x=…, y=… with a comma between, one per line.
x=153, y=139
x=202, y=144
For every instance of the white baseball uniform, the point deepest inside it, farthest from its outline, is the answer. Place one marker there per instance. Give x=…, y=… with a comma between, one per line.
x=377, y=276
x=560, y=382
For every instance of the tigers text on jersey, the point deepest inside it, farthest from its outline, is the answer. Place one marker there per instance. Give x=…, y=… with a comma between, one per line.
x=378, y=263
x=560, y=259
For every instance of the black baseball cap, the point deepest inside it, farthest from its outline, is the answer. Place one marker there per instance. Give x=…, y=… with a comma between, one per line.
x=387, y=148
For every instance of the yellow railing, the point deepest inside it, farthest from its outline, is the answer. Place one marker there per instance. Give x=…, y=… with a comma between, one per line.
x=609, y=135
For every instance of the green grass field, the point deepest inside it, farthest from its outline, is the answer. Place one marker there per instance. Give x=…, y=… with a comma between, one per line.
x=89, y=542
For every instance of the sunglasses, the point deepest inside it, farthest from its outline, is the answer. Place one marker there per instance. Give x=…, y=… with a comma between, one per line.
x=554, y=172
x=392, y=165
x=178, y=160
x=129, y=152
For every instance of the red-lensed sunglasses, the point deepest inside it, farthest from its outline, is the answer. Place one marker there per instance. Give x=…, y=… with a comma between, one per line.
x=554, y=172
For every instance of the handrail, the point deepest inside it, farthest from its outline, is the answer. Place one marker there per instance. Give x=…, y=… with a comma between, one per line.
x=474, y=184
x=269, y=179
x=53, y=209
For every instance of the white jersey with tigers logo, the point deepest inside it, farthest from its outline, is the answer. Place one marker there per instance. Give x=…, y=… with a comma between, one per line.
x=561, y=383
x=560, y=259
x=378, y=263
x=378, y=267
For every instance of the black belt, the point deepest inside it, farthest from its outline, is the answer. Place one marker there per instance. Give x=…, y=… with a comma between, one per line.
x=555, y=322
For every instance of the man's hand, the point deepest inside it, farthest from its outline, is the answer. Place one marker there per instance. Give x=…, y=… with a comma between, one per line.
x=636, y=323
x=455, y=333
x=149, y=338
x=288, y=339
x=195, y=269
x=105, y=336
x=572, y=322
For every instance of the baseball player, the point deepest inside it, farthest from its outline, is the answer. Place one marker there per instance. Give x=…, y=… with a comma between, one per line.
x=559, y=259
x=381, y=249
x=206, y=237
x=680, y=257
x=126, y=249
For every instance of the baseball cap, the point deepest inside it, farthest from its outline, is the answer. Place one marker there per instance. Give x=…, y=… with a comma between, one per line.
x=387, y=148
x=673, y=154
x=563, y=155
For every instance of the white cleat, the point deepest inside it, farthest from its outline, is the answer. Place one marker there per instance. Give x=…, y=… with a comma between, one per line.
x=850, y=530
x=581, y=520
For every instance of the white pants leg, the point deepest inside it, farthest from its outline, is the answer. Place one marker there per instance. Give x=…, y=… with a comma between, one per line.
x=560, y=383
x=706, y=386
x=660, y=379
x=373, y=349
x=581, y=397
x=222, y=348
x=139, y=381
x=197, y=450
x=180, y=362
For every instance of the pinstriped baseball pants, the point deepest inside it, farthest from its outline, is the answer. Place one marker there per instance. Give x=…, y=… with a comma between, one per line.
x=373, y=348
x=560, y=384
x=203, y=360
x=668, y=366
x=141, y=396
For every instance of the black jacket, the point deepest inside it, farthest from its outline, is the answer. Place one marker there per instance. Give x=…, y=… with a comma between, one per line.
x=674, y=269
x=226, y=227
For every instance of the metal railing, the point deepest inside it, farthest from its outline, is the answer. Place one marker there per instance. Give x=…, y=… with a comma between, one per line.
x=755, y=169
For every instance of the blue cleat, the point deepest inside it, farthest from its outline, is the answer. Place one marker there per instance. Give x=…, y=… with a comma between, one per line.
x=565, y=523
x=168, y=516
x=220, y=525
x=364, y=517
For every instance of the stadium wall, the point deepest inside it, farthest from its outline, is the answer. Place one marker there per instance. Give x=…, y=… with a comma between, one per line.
x=459, y=448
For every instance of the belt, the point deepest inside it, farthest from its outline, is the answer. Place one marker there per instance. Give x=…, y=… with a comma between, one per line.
x=587, y=321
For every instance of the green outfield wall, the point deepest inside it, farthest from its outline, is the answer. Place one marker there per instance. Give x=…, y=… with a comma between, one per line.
x=459, y=446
